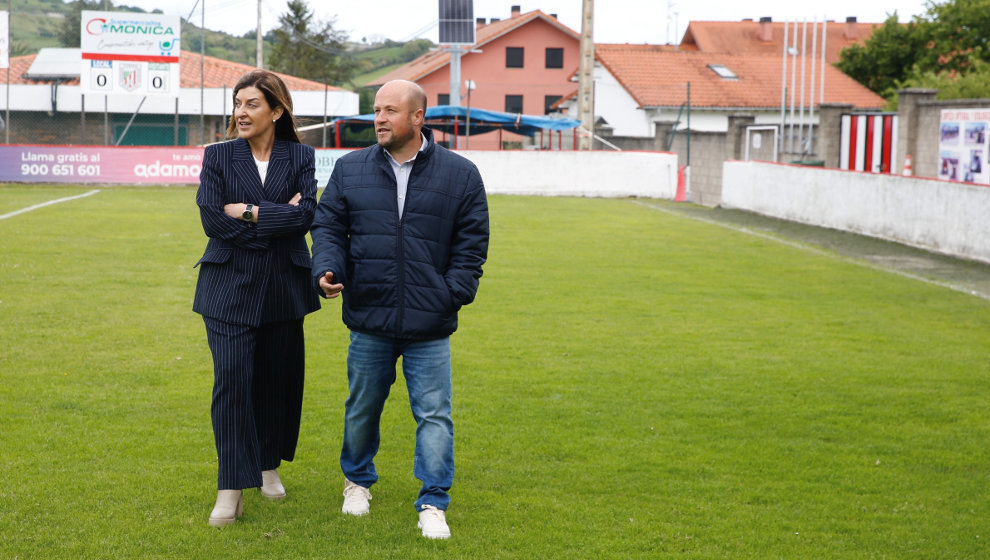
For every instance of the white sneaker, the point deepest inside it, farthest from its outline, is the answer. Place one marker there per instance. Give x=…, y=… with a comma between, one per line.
x=356, y=499
x=433, y=522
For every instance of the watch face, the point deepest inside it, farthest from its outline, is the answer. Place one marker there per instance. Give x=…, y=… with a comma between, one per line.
x=247, y=215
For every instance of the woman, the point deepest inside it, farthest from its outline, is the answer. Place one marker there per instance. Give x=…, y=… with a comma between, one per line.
x=257, y=195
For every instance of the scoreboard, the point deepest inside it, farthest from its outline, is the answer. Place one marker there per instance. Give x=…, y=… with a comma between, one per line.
x=129, y=53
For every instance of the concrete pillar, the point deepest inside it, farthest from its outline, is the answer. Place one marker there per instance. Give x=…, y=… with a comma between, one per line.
x=830, y=131
x=662, y=135
x=735, y=135
x=907, y=122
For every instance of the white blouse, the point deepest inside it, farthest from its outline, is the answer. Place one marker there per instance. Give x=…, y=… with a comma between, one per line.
x=262, y=168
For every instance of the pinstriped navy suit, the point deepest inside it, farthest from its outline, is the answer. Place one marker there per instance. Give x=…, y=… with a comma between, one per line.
x=254, y=290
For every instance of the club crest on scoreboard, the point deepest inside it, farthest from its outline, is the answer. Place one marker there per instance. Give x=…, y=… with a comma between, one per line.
x=130, y=76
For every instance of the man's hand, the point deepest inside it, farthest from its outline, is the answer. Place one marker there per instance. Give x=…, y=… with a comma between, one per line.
x=295, y=199
x=330, y=289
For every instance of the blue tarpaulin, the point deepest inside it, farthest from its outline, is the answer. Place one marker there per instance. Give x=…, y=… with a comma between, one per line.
x=446, y=117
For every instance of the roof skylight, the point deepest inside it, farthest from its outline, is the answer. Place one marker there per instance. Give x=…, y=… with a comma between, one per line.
x=723, y=72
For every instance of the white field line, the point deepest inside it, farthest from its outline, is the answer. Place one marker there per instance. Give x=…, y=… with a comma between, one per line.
x=43, y=204
x=818, y=251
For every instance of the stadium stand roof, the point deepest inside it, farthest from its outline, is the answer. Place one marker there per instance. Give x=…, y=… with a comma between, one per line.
x=217, y=72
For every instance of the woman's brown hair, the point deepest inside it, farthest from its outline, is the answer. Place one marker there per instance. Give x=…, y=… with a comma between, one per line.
x=276, y=94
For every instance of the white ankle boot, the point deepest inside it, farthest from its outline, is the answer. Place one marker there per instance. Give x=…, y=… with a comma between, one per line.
x=271, y=485
x=229, y=507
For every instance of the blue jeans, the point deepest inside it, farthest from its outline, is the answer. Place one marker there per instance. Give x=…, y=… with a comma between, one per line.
x=371, y=364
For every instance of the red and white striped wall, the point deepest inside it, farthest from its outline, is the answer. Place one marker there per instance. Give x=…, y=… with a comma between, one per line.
x=868, y=142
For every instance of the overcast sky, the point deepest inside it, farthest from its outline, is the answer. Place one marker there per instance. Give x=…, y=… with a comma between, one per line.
x=616, y=21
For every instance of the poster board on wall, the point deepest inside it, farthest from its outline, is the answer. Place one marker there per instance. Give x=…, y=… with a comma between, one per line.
x=962, y=145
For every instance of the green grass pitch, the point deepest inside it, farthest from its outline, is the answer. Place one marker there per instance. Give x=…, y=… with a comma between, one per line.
x=629, y=383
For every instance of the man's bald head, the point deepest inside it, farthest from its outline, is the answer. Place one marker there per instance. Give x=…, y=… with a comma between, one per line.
x=410, y=92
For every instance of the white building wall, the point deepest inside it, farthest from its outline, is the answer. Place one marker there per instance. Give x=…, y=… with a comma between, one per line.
x=614, y=104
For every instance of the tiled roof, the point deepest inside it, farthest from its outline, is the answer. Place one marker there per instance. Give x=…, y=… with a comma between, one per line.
x=744, y=37
x=218, y=73
x=656, y=77
x=434, y=60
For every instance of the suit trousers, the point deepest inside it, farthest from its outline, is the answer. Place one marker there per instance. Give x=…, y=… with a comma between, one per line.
x=257, y=397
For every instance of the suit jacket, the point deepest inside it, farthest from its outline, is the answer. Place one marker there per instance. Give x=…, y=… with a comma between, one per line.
x=253, y=274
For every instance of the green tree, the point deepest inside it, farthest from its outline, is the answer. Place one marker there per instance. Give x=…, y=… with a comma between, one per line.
x=308, y=48
x=887, y=57
x=971, y=84
x=68, y=29
x=956, y=30
x=942, y=47
x=414, y=48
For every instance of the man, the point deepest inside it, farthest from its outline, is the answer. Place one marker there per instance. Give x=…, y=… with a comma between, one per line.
x=403, y=226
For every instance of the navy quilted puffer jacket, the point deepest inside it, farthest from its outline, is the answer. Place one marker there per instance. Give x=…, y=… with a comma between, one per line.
x=403, y=278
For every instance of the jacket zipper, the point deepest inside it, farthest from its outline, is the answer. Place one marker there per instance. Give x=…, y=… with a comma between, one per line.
x=400, y=284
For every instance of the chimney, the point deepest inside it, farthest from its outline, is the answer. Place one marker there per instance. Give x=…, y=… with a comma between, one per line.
x=554, y=16
x=516, y=10
x=851, y=28
x=479, y=22
x=766, y=29
x=494, y=19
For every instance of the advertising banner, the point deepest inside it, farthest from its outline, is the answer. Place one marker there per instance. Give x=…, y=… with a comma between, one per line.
x=133, y=166
x=962, y=147
x=121, y=166
x=129, y=53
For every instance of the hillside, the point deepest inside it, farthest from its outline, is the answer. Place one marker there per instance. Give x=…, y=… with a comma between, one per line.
x=34, y=25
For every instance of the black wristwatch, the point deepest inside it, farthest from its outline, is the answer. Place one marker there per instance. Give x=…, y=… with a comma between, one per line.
x=248, y=214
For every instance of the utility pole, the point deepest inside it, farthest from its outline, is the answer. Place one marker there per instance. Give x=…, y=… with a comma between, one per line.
x=202, y=72
x=259, y=57
x=586, y=80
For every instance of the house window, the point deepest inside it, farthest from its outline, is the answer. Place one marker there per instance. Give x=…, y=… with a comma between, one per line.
x=443, y=99
x=513, y=57
x=513, y=104
x=555, y=58
x=548, y=101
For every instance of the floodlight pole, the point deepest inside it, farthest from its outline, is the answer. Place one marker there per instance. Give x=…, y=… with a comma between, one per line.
x=202, y=73
x=455, y=80
x=455, y=75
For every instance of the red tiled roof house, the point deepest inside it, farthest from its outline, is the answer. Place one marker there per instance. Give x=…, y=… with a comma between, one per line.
x=639, y=85
x=522, y=64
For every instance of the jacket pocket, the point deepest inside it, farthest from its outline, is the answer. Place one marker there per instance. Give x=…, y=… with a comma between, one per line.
x=301, y=259
x=214, y=256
